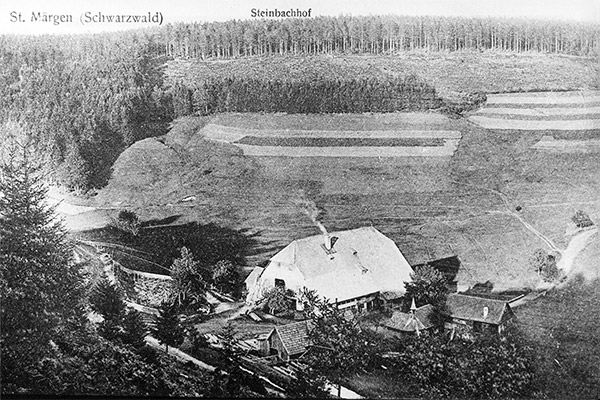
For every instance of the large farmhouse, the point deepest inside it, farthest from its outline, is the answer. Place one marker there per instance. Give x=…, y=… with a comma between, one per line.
x=349, y=268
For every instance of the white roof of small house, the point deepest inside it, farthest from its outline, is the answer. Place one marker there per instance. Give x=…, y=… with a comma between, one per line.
x=363, y=261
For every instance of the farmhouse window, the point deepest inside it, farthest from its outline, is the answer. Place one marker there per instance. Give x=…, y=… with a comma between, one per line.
x=476, y=327
x=280, y=283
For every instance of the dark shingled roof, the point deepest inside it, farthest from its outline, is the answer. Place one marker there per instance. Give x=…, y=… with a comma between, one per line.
x=471, y=308
x=406, y=323
x=294, y=336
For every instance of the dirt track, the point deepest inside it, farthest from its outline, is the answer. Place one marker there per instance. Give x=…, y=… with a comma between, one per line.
x=577, y=244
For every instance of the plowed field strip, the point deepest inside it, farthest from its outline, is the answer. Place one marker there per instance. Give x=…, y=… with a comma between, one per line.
x=231, y=134
x=548, y=117
x=511, y=99
x=339, y=142
x=548, y=106
x=541, y=112
x=571, y=93
x=280, y=151
x=499, y=123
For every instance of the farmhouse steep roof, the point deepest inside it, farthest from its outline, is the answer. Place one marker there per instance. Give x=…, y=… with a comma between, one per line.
x=254, y=275
x=294, y=336
x=471, y=308
x=422, y=320
x=363, y=261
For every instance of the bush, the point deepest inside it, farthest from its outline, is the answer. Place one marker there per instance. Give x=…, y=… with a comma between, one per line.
x=545, y=265
x=127, y=221
x=582, y=220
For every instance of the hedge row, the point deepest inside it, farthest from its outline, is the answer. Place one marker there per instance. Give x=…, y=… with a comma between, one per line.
x=308, y=97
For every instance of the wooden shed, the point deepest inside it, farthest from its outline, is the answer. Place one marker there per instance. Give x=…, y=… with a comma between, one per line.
x=288, y=341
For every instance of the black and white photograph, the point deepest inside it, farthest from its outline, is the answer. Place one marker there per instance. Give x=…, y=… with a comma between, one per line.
x=300, y=199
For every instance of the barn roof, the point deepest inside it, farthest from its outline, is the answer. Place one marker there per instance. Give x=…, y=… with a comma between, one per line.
x=294, y=336
x=471, y=308
x=405, y=322
x=254, y=275
x=363, y=261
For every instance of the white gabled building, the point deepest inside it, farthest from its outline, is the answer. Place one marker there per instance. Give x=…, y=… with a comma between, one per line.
x=348, y=267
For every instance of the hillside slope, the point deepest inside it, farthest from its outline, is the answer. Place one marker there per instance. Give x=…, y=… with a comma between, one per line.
x=431, y=207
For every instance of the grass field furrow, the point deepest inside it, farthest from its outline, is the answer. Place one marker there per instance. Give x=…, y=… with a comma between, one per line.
x=529, y=125
x=540, y=112
x=232, y=134
x=544, y=98
x=547, y=117
x=339, y=142
x=349, y=151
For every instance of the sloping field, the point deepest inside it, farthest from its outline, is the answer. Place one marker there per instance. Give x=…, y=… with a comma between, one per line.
x=542, y=111
x=338, y=143
x=538, y=111
x=536, y=125
x=432, y=207
x=591, y=97
x=346, y=151
x=549, y=144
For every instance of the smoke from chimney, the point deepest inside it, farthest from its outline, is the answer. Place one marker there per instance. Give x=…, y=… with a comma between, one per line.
x=310, y=208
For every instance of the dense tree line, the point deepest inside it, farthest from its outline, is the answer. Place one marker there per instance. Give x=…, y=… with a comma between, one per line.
x=299, y=96
x=83, y=99
x=376, y=35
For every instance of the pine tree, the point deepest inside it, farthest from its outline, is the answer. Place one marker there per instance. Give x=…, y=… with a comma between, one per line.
x=107, y=300
x=134, y=329
x=40, y=285
x=167, y=327
x=188, y=288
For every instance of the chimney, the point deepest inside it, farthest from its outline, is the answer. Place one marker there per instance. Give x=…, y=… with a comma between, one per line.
x=485, y=312
x=332, y=241
x=327, y=242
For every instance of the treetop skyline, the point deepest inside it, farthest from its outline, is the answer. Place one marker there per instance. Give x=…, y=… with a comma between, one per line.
x=67, y=17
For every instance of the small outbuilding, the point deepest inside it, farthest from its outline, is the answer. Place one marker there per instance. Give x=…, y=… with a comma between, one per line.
x=288, y=341
x=470, y=314
x=417, y=321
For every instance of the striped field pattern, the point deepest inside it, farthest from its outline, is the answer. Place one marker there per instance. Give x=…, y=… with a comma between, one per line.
x=330, y=143
x=540, y=111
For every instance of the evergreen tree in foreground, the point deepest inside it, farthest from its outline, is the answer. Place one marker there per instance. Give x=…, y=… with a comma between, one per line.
x=134, y=329
x=167, y=327
x=107, y=300
x=40, y=285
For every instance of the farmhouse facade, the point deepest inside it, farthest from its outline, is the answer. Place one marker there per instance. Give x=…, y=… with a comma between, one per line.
x=469, y=314
x=349, y=268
